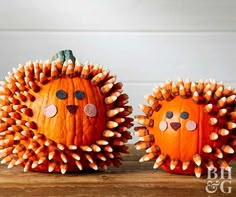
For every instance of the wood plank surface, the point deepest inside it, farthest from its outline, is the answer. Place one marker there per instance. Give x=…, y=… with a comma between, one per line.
x=131, y=179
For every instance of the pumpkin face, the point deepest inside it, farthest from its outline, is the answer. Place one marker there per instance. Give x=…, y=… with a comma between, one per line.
x=62, y=116
x=189, y=130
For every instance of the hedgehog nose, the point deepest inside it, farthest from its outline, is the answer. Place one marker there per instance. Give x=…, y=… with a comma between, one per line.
x=175, y=125
x=72, y=108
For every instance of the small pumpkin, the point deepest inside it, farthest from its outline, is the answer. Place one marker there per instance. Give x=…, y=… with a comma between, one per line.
x=188, y=127
x=63, y=116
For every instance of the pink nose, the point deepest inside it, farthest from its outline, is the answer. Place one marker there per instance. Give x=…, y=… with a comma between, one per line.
x=175, y=125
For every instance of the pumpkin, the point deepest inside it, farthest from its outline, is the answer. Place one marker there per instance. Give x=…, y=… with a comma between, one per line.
x=63, y=116
x=188, y=127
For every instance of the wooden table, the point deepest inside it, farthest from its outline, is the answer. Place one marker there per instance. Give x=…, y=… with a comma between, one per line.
x=131, y=179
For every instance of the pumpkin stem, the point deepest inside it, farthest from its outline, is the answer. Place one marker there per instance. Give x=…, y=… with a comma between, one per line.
x=63, y=56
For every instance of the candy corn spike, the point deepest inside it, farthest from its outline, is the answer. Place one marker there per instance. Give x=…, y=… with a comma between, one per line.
x=15, y=115
x=111, y=124
x=119, y=120
x=208, y=95
x=222, y=112
x=195, y=96
x=54, y=71
x=21, y=96
x=197, y=159
x=75, y=156
x=233, y=115
x=187, y=85
x=223, y=132
x=19, y=161
x=207, y=88
x=93, y=166
x=111, y=99
x=29, y=96
x=42, y=160
x=102, y=142
x=221, y=102
x=64, y=68
x=110, y=155
x=147, y=138
x=227, y=91
x=200, y=86
x=78, y=164
x=213, y=121
x=96, y=148
x=51, y=166
x=97, y=79
x=89, y=158
x=213, y=136
x=27, y=133
x=63, y=168
x=173, y=164
x=231, y=125
x=59, y=64
x=3, y=126
x=153, y=149
x=182, y=91
x=9, y=121
x=159, y=161
x=144, y=121
x=4, y=114
x=142, y=145
x=101, y=156
x=70, y=70
x=122, y=100
x=140, y=131
x=148, y=156
x=20, y=86
x=106, y=88
x=198, y=171
x=78, y=68
x=231, y=99
x=63, y=158
x=113, y=112
x=210, y=164
x=180, y=82
x=27, y=166
x=166, y=95
x=12, y=87
x=193, y=87
x=14, y=101
x=219, y=92
x=72, y=147
x=174, y=89
x=34, y=164
x=227, y=149
x=7, y=108
x=108, y=148
x=218, y=153
x=117, y=142
x=19, y=148
x=146, y=109
x=31, y=125
x=51, y=155
x=86, y=148
x=42, y=78
x=40, y=149
x=224, y=164
x=207, y=148
x=108, y=133
x=185, y=165
x=11, y=164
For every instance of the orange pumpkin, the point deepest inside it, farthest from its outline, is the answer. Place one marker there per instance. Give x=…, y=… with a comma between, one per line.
x=188, y=127
x=62, y=116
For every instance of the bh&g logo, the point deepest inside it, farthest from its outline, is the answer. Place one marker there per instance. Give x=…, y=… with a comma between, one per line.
x=221, y=181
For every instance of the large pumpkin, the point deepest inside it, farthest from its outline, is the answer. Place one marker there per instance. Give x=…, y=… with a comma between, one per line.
x=188, y=127
x=62, y=116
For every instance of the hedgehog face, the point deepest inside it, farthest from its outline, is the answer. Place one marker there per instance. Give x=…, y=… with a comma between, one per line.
x=70, y=109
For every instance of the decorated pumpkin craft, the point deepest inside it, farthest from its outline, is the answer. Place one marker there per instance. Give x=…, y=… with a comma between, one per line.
x=62, y=116
x=188, y=127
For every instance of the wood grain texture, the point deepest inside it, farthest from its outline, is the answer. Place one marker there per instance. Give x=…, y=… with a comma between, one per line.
x=122, y=15
x=131, y=179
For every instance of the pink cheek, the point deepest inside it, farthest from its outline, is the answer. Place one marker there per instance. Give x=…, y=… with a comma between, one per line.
x=90, y=110
x=163, y=125
x=50, y=110
x=191, y=125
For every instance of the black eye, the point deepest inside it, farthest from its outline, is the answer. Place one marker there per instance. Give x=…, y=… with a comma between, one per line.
x=184, y=115
x=79, y=94
x=169, y=114
x=61, y=94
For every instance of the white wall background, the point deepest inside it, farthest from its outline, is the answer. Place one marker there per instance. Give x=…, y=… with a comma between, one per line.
x=144, y=42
